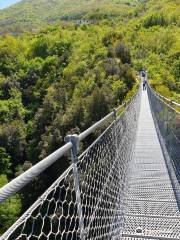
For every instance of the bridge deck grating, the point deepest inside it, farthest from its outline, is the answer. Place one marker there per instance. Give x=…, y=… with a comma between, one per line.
x=151, y=205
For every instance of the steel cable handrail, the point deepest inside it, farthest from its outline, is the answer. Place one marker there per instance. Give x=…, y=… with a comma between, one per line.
x=167, y=122
x=162, y=98
x=168, y=100
x=19, y=182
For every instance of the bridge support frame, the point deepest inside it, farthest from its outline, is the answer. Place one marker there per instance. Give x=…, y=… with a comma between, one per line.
x=74, y=139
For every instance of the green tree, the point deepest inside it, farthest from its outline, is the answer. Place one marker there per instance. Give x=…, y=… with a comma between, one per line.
x=119, y=90
x=98, y=105
x=5, y=161
x=9, y=210
x=123, y=53
x=40, y=47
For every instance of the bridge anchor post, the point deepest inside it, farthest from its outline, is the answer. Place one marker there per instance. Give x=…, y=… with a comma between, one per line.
x=74, y=139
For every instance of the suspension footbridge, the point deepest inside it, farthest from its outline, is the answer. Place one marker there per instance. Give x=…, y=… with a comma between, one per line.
x=125, y=185
x=152, y=209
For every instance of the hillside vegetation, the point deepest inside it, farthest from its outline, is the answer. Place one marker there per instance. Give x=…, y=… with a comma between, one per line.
x=33, y=14
x=66, y=77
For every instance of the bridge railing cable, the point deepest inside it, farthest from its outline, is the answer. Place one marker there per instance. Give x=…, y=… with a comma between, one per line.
x=166, y=99
x=167, y=121
x=19, y=182
x=87, y=200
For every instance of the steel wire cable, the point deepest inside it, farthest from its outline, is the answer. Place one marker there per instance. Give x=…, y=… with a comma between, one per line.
x=167, y=120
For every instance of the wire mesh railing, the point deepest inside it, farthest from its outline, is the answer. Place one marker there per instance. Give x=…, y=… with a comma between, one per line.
x=87, y=201
x=167, y=121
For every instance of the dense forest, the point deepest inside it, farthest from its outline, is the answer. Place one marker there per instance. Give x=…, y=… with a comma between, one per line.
x=67, y=76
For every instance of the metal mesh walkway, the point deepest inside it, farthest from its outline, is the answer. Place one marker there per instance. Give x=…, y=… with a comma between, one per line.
x=151, y=211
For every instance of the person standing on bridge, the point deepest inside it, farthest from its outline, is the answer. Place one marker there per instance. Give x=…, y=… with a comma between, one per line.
x=143, y=74
x=144, y=85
